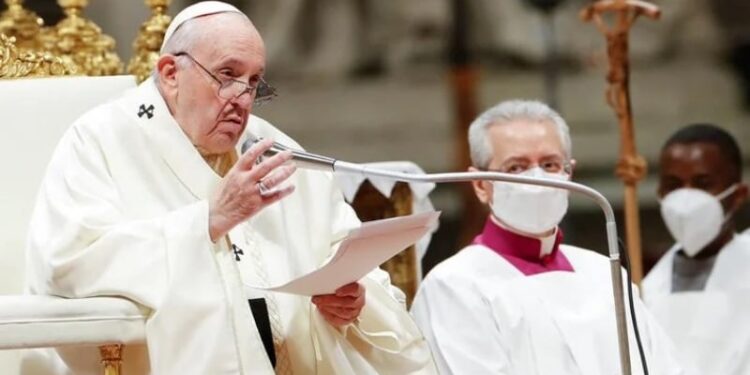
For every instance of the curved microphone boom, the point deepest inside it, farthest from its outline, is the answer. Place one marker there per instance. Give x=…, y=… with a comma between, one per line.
x=301, y=158
x=308, y=160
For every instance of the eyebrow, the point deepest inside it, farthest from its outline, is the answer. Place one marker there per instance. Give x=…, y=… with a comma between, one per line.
x=526, y=159
x=515, y=159
x=553, y=156
x=236, y=62
x=699, y=175
x=708, y=176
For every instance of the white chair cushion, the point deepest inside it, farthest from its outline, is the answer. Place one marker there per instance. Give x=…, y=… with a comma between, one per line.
x=28, y=321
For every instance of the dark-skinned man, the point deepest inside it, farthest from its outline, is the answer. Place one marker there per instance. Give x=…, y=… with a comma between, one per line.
x=699, y=290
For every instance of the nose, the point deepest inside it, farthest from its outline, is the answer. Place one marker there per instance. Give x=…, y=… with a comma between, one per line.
x=244, y=99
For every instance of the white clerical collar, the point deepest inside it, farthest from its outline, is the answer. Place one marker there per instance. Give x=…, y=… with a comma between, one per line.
x=548, y=243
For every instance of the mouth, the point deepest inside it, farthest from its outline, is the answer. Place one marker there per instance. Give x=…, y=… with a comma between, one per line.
x=231, y=126
x=232, y=123
x=234, y=119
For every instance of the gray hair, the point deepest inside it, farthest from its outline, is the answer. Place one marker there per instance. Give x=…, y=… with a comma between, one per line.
x=507, y=111
x=183, y=38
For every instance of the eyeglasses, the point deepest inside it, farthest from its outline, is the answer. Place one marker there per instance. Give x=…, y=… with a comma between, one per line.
x=232, y=88
x=549, y=166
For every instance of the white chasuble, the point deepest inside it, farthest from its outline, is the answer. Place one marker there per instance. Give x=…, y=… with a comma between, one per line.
x=123, y=211
x=711, y=328
x=482, y=315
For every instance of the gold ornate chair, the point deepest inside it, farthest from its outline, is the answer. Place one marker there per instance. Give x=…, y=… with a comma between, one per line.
x=35, y=112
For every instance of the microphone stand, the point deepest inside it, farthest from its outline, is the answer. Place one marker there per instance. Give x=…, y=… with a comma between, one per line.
x=312, y=161
x=614, y=253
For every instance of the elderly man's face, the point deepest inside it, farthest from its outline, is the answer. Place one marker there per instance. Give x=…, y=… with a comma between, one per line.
x=230, y=49
x=519, y=145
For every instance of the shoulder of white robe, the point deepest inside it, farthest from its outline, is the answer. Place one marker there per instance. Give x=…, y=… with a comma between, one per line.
x=458, y=266
x=588, y=255
x=730, y=269
x=659, y=278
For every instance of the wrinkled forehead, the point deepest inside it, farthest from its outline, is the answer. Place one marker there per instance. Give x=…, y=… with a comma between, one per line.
x=228, y=36
x=220, y=27
x=210, y=26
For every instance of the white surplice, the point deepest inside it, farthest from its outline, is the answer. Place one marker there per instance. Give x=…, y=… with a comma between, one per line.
x=123, y=211
x=481, y=315
x=711, y=328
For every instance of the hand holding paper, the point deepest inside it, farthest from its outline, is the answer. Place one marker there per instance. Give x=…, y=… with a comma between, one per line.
x=344, y=306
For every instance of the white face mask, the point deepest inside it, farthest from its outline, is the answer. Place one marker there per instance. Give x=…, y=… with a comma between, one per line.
x=694, y=217
x=528, y=208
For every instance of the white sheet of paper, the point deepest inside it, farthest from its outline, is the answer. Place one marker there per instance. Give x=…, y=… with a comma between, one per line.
x=360, y=252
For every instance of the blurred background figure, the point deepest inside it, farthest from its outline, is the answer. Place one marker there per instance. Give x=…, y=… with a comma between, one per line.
x=699, y=289
x=733, y=19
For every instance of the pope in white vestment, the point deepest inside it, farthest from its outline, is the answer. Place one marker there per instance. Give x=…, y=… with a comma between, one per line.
x=517, y=301
x=124, y=210
x=700, y=289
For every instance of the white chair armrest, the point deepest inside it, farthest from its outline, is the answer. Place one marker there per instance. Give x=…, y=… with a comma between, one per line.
x=33, y=321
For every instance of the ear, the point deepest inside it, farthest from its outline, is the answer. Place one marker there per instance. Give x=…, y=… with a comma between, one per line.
x=483, y=189
x=740, y=196
x=167, y=68
x=573, y=163
x=659, y=192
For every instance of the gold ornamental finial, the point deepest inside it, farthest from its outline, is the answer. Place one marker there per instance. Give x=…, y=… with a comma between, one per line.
x=21, y=23
x=81, y=42
x=20, y=64
x=73, y=6
x=148, y=42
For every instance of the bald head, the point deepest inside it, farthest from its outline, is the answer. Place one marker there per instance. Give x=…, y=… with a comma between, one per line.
x=197, y=10
x=210, y=30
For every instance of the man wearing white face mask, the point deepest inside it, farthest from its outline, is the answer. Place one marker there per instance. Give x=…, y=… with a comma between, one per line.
x=700, y=290
x=517, y=301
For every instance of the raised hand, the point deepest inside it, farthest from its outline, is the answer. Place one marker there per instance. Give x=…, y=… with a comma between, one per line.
x=249, y=187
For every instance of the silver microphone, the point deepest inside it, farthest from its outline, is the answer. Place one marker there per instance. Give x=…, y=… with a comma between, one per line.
x=309, y=160
x=301, y=158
